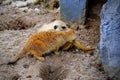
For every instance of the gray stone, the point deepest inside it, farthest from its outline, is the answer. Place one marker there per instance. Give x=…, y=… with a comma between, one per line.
x=73, y=10
x=110, y=38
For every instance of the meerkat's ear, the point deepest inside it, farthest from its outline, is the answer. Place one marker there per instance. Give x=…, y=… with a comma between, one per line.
x=55, y=27
x=68, y=25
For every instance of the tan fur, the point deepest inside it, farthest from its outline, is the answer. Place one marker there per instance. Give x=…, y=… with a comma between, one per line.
x=45, y=42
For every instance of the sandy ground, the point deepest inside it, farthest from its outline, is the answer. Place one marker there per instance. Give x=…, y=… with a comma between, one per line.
x=73, y=64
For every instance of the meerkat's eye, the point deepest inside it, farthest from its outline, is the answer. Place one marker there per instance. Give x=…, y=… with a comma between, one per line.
x=63, y=27
x=55, y=27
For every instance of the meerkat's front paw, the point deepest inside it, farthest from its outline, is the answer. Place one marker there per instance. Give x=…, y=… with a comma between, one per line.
x=41, y=58
x=56, y=52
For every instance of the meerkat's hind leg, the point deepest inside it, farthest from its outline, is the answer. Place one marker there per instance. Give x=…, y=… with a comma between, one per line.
x=67, y=46
x=36, y=55
x=79, y=46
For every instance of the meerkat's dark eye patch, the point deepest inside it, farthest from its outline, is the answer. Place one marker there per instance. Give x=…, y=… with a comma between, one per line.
x=63, y=27
x=55, y=27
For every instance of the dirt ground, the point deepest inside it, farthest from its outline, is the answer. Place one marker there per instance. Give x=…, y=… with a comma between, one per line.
x=74, y=64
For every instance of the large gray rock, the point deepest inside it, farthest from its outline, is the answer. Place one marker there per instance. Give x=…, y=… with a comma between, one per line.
x=73, y=10
x=110, y=38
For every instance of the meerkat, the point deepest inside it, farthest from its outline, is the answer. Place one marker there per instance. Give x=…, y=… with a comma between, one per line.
x=41, y=43
x=57, y=25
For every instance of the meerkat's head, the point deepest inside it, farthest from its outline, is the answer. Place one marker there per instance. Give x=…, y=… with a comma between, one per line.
x=59, y=25
x=56, y=25
x=70, y=35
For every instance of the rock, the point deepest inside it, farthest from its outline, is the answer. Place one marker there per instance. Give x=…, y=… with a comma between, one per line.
x=32, y=1
x=110, y=38
x=29, y=10
x=73, y=10
x=23, y=3
x=23, y=9
x=7, y=2
x=19, y=4
x=36, y=10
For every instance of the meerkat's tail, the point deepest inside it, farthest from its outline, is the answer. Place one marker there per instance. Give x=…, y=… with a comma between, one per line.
x=21, y=54
x=79, y=46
